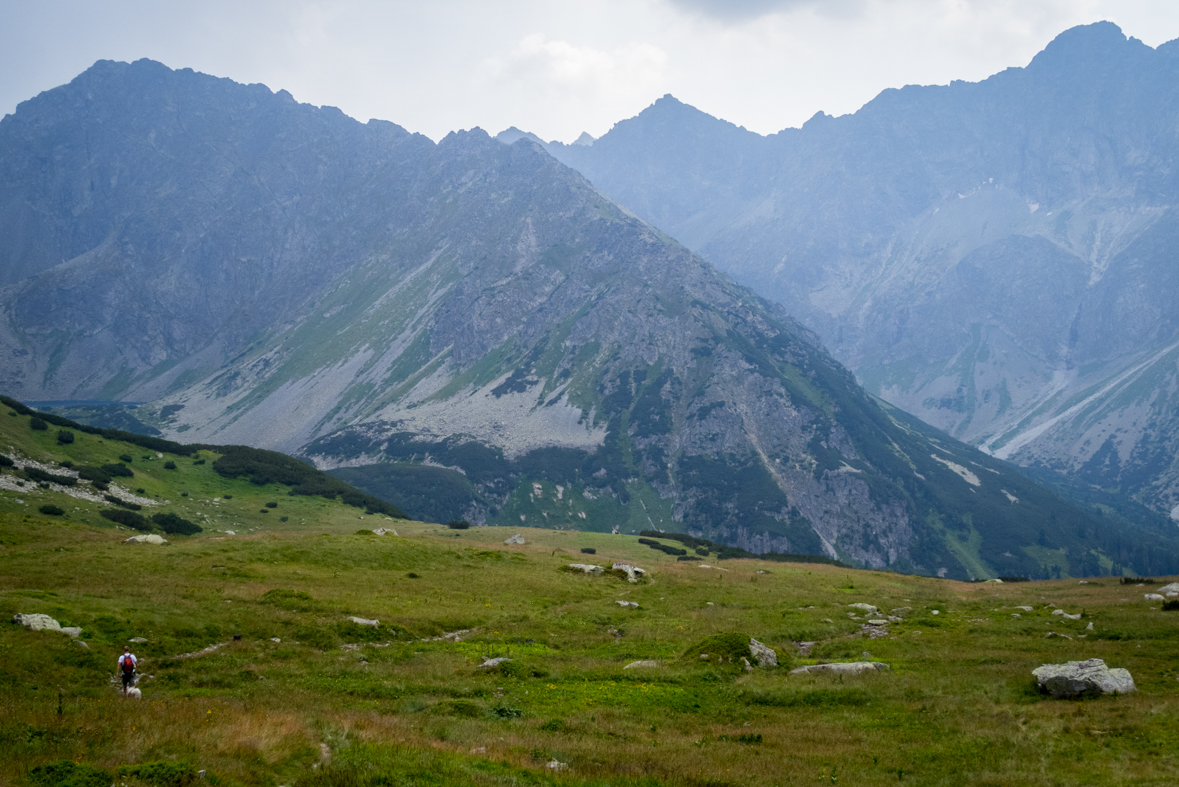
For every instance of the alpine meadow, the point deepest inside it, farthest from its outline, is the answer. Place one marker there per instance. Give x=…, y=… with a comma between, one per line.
x=403, y=462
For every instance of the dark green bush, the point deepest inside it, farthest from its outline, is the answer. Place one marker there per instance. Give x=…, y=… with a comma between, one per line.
x=64, y=773
x=38, y=424
x=66, y=463
x=160, y=774
x=272, y=505
x=51, y=510
x=169, y=465
x=118, y=471
x=125, y=458
x=687, y=558
x=94, y=474
x=588, y=551
x=720, y=648
x=122, y=503
x=64, y=437
x=458, y=524
x=199, y=462
x=1171, y=605
x=227, y=497
x=126, y=518
x=41, y=477
x=264, y=511
x=5, y=461
x=702, y=551
x=173, y=524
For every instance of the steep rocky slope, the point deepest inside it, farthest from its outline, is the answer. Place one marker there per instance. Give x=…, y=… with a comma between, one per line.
x=469, y=316
x=996, y=258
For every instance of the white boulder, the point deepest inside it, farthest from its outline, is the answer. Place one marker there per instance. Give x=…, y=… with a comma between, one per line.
x=493, y=663
x=641, y=664
x=364, y=621
x=842, y=668
x=150, y=538
x=1089, y=678
x=1168, y=589
x=633, y=573
x=587, y=568
x=36, y=622
x=516, y=539
x=1153, y=597
x=624, y=604
x=764, y=655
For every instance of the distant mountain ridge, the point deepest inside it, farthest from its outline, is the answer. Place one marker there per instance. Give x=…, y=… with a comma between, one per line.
x=469, y=317
x=994, y=257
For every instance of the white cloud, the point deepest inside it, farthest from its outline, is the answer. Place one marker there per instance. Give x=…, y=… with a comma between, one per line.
x=568, y=79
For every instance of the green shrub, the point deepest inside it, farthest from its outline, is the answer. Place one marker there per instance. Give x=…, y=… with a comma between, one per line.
x=122, y=503
x=272, y=504
x=41, y=477
x=458, y=524
x=160, y=774
x=588, y=551
x=118, y=471
x=94, y=474
x=554, y=725
x=125, y=458
x=1171, y=605
x=51, y=510
x=702, y=551
x=5, y=461
x=64, y=773
x=140, y=491
x=126, y=518
x=687, y=559
x=173, y=524
x=66, y=463
x=38, y=425
x=720, y=648
x=64, y=437
x=283, y=518
x=169, y=465
x=227, y=497
x=264, y=511
x=361, y=532
x=199, y=462
x=297, y=600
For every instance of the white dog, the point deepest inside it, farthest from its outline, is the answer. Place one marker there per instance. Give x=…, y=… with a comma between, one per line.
x=134, y=694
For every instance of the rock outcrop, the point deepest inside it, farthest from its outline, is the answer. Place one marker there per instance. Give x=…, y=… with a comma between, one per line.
x=1091, y=678
x=764, y=655
x=842, y=668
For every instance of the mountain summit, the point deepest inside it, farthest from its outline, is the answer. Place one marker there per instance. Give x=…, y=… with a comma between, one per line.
x=467, y=325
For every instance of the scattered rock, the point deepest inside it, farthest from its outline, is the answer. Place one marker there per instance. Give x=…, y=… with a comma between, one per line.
x=36, y=622
x=764, y=655
x=842, y=668
x=587, y=568
x=555, y=765
x=641, y=664
x=1082, y=679
x=634, y=604
x=1153, y=597
x=364, y=621
x=493, y=663
x=150, y=538
x=1016, y=615
x=1052, y=634
x=275, y=639
x=478, y=750
x=1025, y=609
x=867, y=608
x=380, y=531
x=138, y=640
x=516, y=539
x=633, y=573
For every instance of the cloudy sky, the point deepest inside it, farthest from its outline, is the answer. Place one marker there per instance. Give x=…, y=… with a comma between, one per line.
x=553, y=67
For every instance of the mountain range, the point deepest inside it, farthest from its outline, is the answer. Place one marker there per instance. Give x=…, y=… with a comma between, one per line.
x=467, y=329
x=996, y=258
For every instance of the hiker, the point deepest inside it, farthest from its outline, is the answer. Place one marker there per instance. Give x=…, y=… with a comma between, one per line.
x=127, y=664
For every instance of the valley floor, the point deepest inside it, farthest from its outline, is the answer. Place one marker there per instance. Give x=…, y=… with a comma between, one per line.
x=306, y=697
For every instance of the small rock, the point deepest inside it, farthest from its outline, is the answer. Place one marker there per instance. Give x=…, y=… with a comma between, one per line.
x=493, y=663
x=1058, y=612
x=704, y=656
x=1052, y=634
x=1025, y=609
x=555, y=765
x=748, y=666
x=633, y=573
x=380, y=531
x=842, y=668
x=230, y=533
x=1089, y=627
x=867, y=608
x=587, y=568
x=275, y=639
x=138, y=640
x=364, y=621
x=1016, y=615
x=1082, y=679
x=73, y=631
x=828, y=620
x=878, y=622
x=1153, y=597
x=642, y=664
x=478, y=750
x=150, y=538
x=935, y=612
x=634, y=604
x=516, y=539
x=764, y=655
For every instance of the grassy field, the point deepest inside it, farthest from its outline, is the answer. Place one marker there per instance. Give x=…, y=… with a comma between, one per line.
x=305, y=697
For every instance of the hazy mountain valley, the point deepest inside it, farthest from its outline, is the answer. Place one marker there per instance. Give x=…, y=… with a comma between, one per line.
x=994, y=257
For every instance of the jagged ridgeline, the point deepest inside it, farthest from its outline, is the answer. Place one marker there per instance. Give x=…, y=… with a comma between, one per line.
x=259, y=466
x=469, y=330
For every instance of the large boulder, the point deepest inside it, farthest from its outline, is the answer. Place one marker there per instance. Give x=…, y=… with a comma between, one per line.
x=150, y=538
x=516, y=539
x=1171, y=589
x=586, y=567
x=633, y=573
x=1089, y=678
x=764, y=655
x=36, y=622
x=364, y=621
x=842, y=668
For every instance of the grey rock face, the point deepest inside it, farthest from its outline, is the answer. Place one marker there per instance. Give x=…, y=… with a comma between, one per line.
x=842, y=668
x=764, y=655
x=1083, y=679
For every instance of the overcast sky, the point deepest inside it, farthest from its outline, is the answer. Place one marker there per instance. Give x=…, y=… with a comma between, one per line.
x=552, y=67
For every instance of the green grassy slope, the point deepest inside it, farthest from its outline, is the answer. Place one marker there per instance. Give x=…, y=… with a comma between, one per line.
x=398, y=705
